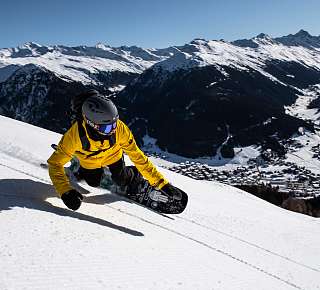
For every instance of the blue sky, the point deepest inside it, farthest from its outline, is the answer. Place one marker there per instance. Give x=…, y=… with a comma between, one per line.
x=149, y=23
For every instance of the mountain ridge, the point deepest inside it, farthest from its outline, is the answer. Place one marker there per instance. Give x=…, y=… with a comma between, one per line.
x=253, y=74
x=136, y=59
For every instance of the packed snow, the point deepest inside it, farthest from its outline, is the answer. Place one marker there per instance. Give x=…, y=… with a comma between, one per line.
x=300, y=107
x=225, y=239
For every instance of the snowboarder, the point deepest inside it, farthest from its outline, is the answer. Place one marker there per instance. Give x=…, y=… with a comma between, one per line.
x=97, y=140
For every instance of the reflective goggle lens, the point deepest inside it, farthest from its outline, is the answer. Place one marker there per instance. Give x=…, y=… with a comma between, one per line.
x=107, y=128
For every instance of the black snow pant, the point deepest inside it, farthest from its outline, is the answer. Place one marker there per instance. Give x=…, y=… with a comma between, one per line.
x=122, y=175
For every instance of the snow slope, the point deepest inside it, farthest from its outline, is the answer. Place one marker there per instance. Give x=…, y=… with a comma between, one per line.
x=226, y=238
x=300, y=107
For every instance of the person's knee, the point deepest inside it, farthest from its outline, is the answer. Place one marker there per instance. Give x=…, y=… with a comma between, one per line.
x=92, y=176
x=126, y=176
x=93, y=183
x=119, y=179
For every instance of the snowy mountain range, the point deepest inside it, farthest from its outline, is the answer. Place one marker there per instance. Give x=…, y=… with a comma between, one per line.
x=214, y=91
x=82, y=63
x=211, y=93
x=225, y=239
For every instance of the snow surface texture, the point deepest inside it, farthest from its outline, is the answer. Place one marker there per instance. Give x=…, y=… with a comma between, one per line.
x=225, y=239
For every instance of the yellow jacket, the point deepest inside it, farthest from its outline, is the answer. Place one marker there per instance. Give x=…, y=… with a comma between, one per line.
x=70, y=145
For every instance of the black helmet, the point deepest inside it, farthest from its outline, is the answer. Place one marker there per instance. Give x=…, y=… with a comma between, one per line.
x=100, y=113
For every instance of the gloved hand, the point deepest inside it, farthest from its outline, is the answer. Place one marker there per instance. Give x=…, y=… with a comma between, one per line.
x=172, y=191
x=72, y=199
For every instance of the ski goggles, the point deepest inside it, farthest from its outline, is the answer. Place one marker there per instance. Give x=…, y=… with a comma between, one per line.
x=107, y=128
x=102, y=128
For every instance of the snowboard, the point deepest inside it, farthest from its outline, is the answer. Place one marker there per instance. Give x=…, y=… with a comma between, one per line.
x=148, y=197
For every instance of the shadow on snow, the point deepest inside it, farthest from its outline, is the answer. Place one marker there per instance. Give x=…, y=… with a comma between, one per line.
x=31, y=194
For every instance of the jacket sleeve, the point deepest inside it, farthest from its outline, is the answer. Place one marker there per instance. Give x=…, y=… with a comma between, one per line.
x=143, y=164
x=62, y=155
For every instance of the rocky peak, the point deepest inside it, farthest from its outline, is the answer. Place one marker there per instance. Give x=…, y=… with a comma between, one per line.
x=30, y=45
x=254, y=42
x=301, y=38
x=263, y=36
x=303, y=33
x=263, y=39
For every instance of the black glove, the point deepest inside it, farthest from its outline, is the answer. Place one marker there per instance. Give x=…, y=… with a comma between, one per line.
x=72, y=199
x=172, y=191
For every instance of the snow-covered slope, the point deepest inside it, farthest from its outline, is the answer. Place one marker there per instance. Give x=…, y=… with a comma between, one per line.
x=301, y=106
x=226, y=238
